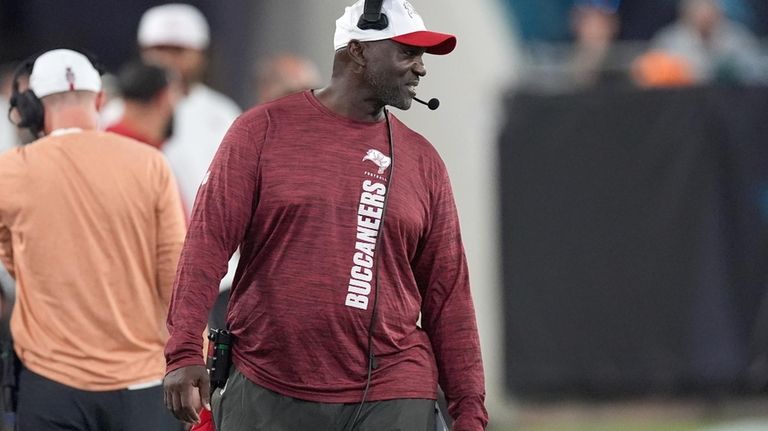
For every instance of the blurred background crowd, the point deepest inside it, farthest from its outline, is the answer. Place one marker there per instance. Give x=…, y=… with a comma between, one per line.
x=648, y=44
x=609, y=160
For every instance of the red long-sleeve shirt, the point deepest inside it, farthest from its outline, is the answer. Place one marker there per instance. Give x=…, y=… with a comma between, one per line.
x=301, y=190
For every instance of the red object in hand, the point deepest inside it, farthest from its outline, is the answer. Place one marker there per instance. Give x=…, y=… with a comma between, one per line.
x=206, y=422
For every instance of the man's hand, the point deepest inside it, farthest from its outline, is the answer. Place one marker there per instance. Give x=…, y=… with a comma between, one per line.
x=186, y=391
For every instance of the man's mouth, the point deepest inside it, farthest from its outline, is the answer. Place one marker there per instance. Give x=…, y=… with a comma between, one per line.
x=411, y=86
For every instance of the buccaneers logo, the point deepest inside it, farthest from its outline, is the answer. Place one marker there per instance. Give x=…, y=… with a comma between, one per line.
x=379, y=159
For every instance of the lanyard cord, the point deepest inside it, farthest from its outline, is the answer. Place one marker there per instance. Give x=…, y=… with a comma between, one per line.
x=371, y=357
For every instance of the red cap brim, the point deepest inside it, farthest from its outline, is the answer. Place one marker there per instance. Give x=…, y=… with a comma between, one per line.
x=435, y=43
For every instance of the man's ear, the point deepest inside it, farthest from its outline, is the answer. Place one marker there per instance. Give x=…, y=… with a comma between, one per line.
x=356, y=50
x=160, y=97
x=166, y=97
x=101, y=100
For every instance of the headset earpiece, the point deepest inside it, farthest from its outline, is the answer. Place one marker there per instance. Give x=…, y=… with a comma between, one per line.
x=29, y=108
x=31, y=112
x=372, y=17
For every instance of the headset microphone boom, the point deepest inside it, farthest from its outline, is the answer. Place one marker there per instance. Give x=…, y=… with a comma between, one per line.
x=432, y=104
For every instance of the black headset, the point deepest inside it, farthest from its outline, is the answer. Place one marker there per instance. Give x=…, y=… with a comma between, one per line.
x=31, y=113
x=373, y=18
x=30, y=110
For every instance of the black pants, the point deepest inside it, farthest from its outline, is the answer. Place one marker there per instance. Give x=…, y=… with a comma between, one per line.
x=245, y=406
x=51, y=406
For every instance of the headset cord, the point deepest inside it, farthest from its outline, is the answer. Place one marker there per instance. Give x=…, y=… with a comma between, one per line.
x=371, y=357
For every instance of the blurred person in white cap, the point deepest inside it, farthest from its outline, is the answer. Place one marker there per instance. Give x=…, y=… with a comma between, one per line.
x=176, y=36
x=91, y=227
x=349, y=237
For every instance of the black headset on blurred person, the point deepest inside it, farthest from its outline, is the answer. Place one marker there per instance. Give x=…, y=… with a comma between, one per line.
x=29, y=108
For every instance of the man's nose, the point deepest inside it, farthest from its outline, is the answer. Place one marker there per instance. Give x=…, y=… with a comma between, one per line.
x=419, y=68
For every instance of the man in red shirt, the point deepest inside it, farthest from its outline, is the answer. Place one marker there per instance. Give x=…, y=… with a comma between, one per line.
x=150, y=94
x=351, y=302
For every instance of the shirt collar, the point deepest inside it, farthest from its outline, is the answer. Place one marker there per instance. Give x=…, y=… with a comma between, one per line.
x=66, y=131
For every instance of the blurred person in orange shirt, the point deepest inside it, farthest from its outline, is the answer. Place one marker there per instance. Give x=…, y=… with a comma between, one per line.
x=91, y=229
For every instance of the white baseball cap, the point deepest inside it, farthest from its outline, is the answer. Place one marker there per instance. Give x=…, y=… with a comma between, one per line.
x=63, y=70
x=174, y=24
x=405, y=26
